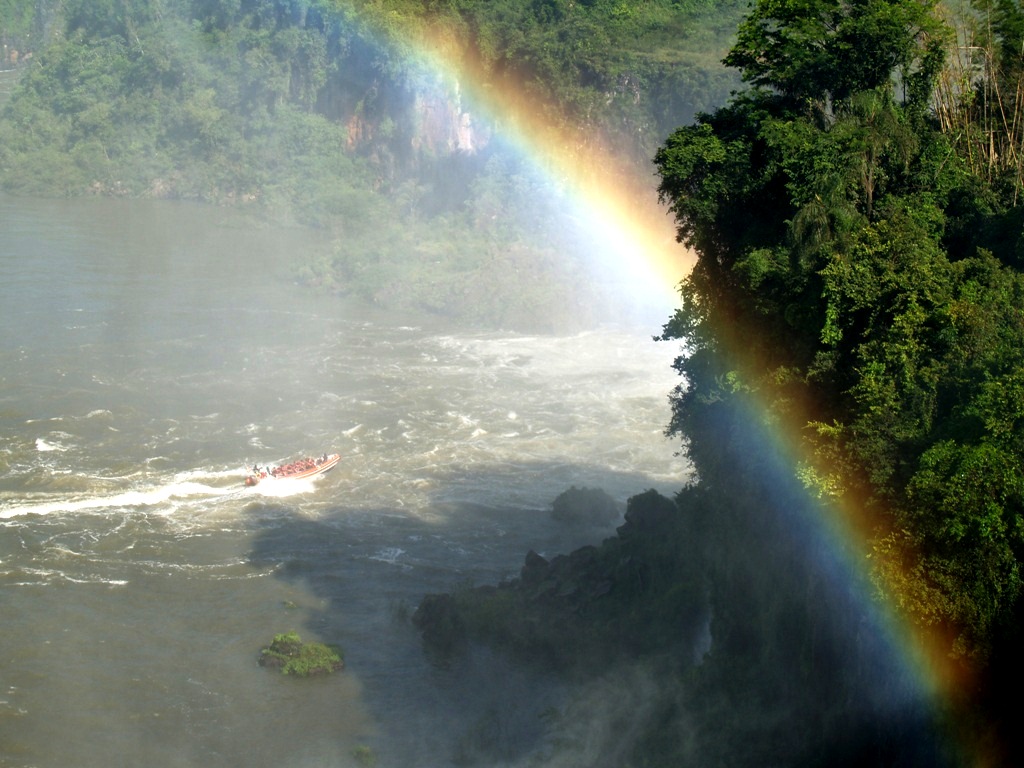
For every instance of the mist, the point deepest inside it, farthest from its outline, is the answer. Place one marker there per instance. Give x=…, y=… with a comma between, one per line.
x=333, y=229
x=441, y=186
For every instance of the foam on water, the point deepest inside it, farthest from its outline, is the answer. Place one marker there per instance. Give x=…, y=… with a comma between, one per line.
x=38, y=577
x=163, y=498
x=182, y=487
x=43, y=446
x=389, y=555
x=275, y=488
x=135, y=498
x=130, y=512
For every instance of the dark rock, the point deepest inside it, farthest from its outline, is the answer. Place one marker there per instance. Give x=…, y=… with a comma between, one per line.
x=586, y=505
x=271, y=660
x=534, y=570
x=649, y=512
x=635, y=591
x=437, y=617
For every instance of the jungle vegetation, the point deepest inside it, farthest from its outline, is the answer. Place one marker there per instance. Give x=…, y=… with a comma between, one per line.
x=856, y=211
x=857, y=304
x=292, y=656
x=324, y=113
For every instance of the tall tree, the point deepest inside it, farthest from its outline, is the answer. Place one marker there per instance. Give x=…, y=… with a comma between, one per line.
x=834, y=282
x=823, y=50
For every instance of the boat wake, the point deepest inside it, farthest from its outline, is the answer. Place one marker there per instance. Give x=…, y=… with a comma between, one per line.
x=194, y=487
x=281, y=489
x=167, y=495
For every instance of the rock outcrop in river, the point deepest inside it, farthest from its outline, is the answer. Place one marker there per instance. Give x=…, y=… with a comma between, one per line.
x=633, y=594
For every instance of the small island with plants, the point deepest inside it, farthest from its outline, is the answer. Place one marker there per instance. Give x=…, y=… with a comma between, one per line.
x=293, y=657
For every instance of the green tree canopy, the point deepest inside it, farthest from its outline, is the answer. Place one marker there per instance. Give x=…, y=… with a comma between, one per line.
x=829, y=50
x=836, y=279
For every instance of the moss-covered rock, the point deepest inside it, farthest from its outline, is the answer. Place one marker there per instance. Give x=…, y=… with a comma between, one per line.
x=293, y=657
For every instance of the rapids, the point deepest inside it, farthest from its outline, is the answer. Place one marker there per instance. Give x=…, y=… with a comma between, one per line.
x=149, y=353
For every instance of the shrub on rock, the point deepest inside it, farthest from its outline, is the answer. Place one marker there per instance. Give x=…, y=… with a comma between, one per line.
x=294, y=657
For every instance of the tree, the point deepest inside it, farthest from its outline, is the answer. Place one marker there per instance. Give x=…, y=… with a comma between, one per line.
x=821, y=206
x=825, y=50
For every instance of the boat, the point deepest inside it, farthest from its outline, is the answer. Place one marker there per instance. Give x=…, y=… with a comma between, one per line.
x=295, y=470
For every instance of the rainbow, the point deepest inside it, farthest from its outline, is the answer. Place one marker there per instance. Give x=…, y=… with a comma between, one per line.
x=621, y=207
x=838, y=532
x=615, y=202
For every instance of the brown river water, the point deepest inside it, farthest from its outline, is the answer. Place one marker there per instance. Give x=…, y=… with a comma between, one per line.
x=148, y=353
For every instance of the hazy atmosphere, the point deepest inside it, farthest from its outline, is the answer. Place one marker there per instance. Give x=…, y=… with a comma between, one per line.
x=671, y=353
x=174, y=351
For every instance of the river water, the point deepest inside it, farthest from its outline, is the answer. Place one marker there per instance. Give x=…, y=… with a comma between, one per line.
x=148, y=352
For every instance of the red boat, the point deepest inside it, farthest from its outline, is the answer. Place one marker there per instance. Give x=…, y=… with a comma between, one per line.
x=307, y=467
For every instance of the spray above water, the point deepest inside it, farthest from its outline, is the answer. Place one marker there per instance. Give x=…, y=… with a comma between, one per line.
x=609, y=199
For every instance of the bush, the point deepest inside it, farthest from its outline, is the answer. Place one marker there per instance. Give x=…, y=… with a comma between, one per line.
x=293, y=657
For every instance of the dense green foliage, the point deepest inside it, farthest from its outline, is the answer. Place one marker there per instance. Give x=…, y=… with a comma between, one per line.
x=856, y=216
x=293, y=657
x=23, y=28
x=324, y=113
x=626, y=72
x=136, y=99
x=860, y=279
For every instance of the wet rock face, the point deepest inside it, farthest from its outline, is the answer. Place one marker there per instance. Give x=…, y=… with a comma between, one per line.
x=649, y=512
x=414, y=125
x=635, y=592
x=534, y=570
x=586, y=505
x=437, y=617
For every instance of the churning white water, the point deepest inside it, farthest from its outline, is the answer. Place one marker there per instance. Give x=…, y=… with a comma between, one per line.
x=149, y=353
